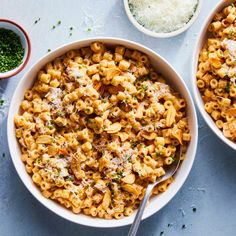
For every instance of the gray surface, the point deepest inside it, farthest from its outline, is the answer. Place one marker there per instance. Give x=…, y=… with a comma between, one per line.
x=211, y=184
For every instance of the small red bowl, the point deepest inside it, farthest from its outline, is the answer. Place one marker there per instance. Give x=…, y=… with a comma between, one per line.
x=25, y=41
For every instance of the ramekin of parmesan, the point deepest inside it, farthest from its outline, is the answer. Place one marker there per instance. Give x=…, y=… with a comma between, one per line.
x=162, y=18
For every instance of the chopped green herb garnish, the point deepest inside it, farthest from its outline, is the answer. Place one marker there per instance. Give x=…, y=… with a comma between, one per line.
x=53, y=27
x=70, y=34
x=144, y=87
x=70, y=178
x=1, y=102
x=87, y=186
x=49, y=50
x=3, y=154
x=89, y=30
x=161, y=233
x=11, y=50
x=37, y=20
x=159, y=153
x=61, y=155
x=60, y=113
x=59, y=22
x=71, y=28
x=194, y=209
x=129, y=159
x=183, y=226
x=227, y=87
x=51, y=124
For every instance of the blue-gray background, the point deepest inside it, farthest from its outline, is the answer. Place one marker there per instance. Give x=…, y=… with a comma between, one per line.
x=210, y=187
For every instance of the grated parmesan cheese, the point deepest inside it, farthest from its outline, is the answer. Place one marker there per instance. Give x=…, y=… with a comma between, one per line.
x=231, y=46
x=163, y=16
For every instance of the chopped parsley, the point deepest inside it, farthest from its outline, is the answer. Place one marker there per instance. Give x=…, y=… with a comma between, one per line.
x=61, y=155
x=11, y=50
x=53, y=27
x=3, y=154
x=51, y=124
x=71, y=28
x=227, y=87
x=1, y=102
x=89, y=29
x=49, y=50
x=194, y=209
x=159, y=153
x=60, y=113
x=144, y=87
x=70, y=178
x=184, y=227
x=232, y=33
x=36, y=21
x=129, y=159
x=118, y=176
x=161, y=233
x=59, y=22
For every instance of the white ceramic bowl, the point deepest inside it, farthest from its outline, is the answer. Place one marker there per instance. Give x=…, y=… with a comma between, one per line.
x=161, y=35
x=200, y=42
x=25, y=41
x=156, y=203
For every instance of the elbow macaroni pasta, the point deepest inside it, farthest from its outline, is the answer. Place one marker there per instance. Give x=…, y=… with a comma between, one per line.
x=97, y=126
x=216, y=75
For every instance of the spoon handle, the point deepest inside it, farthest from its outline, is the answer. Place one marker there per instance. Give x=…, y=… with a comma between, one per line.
x=134, y=227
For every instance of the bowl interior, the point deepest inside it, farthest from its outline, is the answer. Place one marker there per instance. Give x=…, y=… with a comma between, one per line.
x=203, y=36
x=161, y=35
x=20, y=33
x=156, y=203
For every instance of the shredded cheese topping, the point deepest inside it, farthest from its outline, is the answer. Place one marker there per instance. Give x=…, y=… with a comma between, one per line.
x=163, y=16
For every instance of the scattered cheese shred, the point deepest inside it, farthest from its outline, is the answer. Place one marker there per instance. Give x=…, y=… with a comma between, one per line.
x=163, y=16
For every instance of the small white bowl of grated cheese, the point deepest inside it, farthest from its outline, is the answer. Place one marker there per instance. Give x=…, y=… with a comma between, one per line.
x=161, y=18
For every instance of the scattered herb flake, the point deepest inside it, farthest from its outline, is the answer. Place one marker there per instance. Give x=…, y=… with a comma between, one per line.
x=194, y=209
x=227, y=87
x=53, y=27
x=3, y=154
x=161, y=233
x=49, y=50
x=129, y=159
x=89, y=29
x=61, y=155
x=183, y=226
x=59, y=22
x=36, y=21
x=71, y=28
x=70, y=34
x=1, y=102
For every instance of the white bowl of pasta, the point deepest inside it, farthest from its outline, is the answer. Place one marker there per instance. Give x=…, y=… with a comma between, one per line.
x=213, y=72
x=94, y=160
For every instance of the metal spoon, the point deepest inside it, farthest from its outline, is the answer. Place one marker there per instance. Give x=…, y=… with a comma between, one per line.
x=169, y=172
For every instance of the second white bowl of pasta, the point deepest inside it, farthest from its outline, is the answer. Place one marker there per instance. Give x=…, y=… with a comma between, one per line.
x=213, y=72
x=93, y=123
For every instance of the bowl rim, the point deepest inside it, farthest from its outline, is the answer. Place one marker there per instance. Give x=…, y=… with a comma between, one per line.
x=162, y=35
x=196, y=93
x=22, y=65
x=41, y=198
